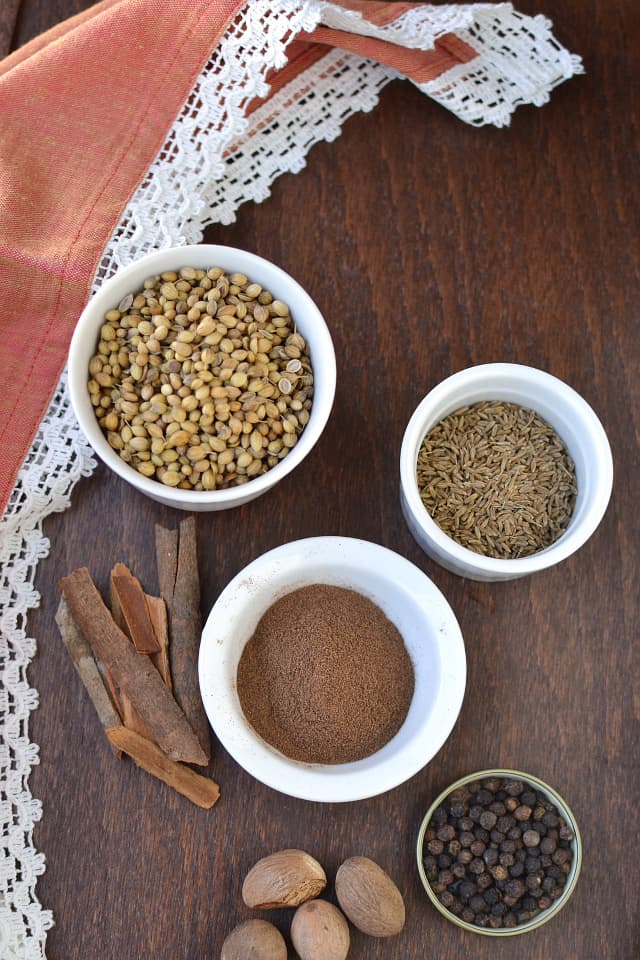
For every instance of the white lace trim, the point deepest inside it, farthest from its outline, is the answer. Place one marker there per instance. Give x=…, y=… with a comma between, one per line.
x=520, y=62
x=418, y=28
x=214, y=160
x=56, y=461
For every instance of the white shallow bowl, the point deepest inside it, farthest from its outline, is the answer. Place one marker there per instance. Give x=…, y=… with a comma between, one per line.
x=408, y=598
x=573, y=420
x=306, y=315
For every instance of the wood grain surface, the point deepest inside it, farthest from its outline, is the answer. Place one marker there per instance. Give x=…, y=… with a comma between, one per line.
x=429, y=246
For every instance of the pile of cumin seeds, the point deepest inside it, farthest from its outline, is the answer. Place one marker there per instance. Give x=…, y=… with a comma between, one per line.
x=497, y=479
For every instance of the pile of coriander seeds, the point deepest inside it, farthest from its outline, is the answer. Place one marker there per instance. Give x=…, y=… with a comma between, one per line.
x=200, y=380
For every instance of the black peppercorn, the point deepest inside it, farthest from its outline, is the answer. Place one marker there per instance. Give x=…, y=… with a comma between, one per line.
x=509, y=920
x=507, y=859
x=481, y=834
x=477, y=866
x=505, y=823
x=490, y=857
x=484, y=881
x=531, y=838
x=457, y=810
x=488, y=820
x=522, y=812
x=456, y=907
x=466, y=890
x=492, y=784
x=467, y=915
x=475, y=813
x=533, y=881
x=477, y=848
x=482, y=919
x=440, y=816
x=454, y=847
x=459, y=870
x=528, y=797
x=560, y=856
x=465, y=856
x=446, y=833
x=565, y=832
x=495, y=922
x=435, y=847
x=477, y=903
x=445, y=877
x=515, y=889
x=466, y=823
x=513, y=787
x=466, y=838
x=446, y=898
x=483, y=797
x=517, y=869
x=491, y=896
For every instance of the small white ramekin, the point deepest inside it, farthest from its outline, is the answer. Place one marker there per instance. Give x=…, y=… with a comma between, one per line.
x=304, y=312
x=571, y=417
x=408, y=598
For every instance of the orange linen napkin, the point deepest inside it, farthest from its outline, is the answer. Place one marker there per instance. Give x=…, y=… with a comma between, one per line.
x=85, y=109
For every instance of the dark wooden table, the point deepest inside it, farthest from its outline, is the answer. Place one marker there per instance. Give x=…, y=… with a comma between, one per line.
x=429, y=246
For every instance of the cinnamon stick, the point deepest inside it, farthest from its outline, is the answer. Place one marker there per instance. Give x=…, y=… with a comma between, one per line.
x=158, y=615
x=200, y=790
x=183, y=601
x=167, y=562
x=135, y=675
x=135, y=613
x=110, y=684
x=82, y=659
x=130, y=716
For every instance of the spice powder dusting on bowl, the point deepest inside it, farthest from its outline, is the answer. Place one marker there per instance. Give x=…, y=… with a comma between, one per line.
x=201, y=380
x=326, y=677
x=497, y=479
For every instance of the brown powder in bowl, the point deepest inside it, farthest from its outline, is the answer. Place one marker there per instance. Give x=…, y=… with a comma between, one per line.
x=326, y=677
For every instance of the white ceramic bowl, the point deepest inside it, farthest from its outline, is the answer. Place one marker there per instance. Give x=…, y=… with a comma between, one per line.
x=570, y=416
x=305, y=314
x=410, y=600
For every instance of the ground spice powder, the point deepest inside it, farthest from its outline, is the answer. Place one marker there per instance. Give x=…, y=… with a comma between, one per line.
x=326, y=677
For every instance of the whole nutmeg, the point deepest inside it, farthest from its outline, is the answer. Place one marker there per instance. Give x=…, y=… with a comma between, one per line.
x=370, y=898
x=319, y=932
x=254, y=940
x=284, y=879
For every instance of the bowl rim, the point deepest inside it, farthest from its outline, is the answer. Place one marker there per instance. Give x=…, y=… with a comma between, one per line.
x=572, y=539
x=564, y=809
x=91, y=317
x=309, y=781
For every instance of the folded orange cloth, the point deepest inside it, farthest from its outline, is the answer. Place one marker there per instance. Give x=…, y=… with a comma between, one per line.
x=85, y=110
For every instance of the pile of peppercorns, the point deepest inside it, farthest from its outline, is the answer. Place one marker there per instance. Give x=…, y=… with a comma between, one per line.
x=497, y=853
